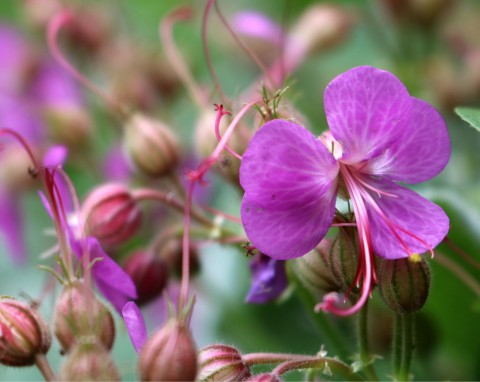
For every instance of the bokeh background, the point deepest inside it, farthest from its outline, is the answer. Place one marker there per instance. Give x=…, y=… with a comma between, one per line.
x=433, y=46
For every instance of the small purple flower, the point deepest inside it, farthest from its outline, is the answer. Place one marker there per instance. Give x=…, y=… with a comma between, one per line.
x=258, y=25
x=379, y=136
x=269, y=279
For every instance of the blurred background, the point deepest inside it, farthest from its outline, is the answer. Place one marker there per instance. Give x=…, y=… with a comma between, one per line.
x=433, y=46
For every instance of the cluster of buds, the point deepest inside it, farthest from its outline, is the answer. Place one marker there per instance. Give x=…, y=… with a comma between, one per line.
x=221, y=363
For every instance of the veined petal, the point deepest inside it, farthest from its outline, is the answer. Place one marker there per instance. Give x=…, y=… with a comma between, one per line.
x=285, y=234
x=426, y=223
x=365, y=109
x=286, y=167
x=136, y=328
x=421, y=150
x=110, y=278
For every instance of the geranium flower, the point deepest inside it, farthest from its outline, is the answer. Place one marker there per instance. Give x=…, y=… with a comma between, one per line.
x=269, y=279
x=379, y=136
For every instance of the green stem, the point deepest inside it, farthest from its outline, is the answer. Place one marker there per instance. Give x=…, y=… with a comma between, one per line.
x=330, y=333
x=365, y=356
x=397, y=344
x=407, y=347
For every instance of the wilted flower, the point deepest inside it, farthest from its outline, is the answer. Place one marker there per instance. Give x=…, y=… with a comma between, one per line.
x=379, y=136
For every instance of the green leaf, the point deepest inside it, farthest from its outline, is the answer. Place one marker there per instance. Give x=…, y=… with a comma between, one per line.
x=470, y=115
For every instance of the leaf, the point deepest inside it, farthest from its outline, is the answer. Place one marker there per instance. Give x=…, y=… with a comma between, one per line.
x=470, y=115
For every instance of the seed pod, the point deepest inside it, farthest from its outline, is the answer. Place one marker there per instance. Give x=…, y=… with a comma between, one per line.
x=170, y=355
x=79, y=315
x=88, y=362
x=111, y=214
x=404, y=283
x=151, y=145
x=24, y=334
x=149, y=274
x=221, y=363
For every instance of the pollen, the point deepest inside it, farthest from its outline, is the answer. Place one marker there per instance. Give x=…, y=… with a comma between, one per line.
x=415, y=258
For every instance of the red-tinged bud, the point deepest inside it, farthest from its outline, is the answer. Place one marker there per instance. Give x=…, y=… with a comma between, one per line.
x=266, y=377
x=404, y=284
x=111, y=214
x=79, y=315
x=171, y=252
x=221, y=363
x=170, y=355
x=151, y=145
x=88, y=362
x=68, y=125
x=14, y=169
x=24, y=334
x=321, y=27
x=314, y=270
x=149, y=274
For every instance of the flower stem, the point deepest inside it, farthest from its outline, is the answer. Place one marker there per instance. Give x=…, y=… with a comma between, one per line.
x=397, y=344
x=365, y=356
x=44, y=366
x=407, y=347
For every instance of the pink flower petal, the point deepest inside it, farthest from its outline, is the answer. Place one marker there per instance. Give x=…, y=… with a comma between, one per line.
x=421, y=149
x=413, y=213
x=365, y=109
x=136, y=328
x=257, y=25
x=284, y=234
x=285, y=167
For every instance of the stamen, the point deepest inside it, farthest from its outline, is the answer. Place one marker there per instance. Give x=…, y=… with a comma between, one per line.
x=220, y=113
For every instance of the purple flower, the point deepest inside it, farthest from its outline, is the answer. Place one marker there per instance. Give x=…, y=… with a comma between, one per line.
x=379, y=136
x=269, y=279
x=257, y=25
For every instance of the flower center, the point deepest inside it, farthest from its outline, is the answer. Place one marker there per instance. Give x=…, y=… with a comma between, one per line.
x=335, y=147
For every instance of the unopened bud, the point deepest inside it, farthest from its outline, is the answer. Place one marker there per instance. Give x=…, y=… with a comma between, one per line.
x=14, y=174
x=149, y=273
x=320, y=27
x=88, y=362
x=170, y=355
x=68, y=125
x=404, y=283
x=111, y=214
x=79, y=314
x=344, y=257
x=151, y=145
x=24, y=334
x=314, y=271
x=221, y=363
x=171, y=251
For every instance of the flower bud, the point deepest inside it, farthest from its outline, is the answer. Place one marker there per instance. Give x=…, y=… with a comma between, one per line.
x=151, y=145
x=344, y=257
x=314, y=270
x=88, y=362
x=149, y=274
x=170, y=355
x=14, y=169
x=68, y=125
x=111, y=214
x=171, y=251
x=404, y=283
x=221, y=363
x=24, y=334
x=79, y=314
x=320, y=27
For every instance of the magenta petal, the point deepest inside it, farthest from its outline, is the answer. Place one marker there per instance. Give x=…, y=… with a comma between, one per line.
x=269, y=279
x=365, y=108
x=413, y=213
x=285, y=234
x=136, y=328
x=285, y=167
x=421, y=150
x=110, y=278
